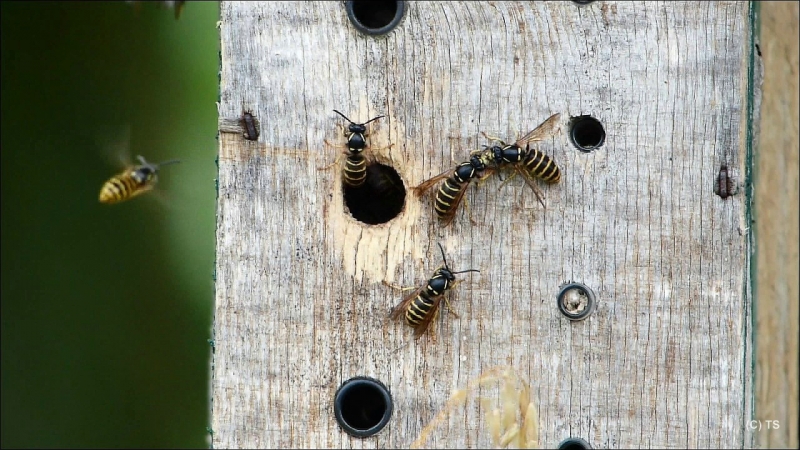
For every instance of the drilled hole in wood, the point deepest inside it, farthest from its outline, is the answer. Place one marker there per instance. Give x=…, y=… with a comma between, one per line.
x=574, y=444
x=381, y=197
x=362, y=406
x=586, y=133
x=576, y=301
x=375, y=17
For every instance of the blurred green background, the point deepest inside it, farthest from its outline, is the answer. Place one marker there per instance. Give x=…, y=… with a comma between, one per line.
x=106, y=310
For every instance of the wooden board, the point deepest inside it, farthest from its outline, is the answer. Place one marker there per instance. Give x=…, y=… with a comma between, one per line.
x=776, y=197
x=664, y=362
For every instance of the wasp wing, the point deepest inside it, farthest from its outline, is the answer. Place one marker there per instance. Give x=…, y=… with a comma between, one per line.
x=451, y=213
x=426, y=321
x=544, y=130
x=425, y=185
x=401, y=307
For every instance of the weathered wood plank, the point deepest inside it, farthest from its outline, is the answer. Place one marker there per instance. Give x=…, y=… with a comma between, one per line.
x=664, y=362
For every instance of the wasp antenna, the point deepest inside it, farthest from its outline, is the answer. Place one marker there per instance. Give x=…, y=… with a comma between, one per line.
x=465, y=271
x=443, y=257
x=171, y=161
x=370, y=120
x=345, y=117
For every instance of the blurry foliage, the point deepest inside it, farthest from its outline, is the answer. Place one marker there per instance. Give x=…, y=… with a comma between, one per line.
x=106, y=310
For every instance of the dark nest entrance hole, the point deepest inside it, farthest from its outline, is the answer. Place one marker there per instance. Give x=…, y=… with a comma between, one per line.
x=381, y=197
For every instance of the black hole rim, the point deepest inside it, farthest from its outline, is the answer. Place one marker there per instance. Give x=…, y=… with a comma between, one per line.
x=349, y=388
x=573, y=444
x=352, y=7
x=586, y=133
x=590, y=307
x=380, y=199
x=582, y=2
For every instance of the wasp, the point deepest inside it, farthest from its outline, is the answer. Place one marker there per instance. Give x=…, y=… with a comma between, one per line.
x=456, y=181
x=355, y=168
x=132, y=181
x=529, y=162
x=421, y=307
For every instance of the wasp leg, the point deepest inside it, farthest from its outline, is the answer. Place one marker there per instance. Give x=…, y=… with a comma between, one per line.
x=375, y=149
x=399, y=288
x=450, y=307
x=434, y=322
x=406, y=344
x=329, y=144
x=494, y=138
x=532, y=184
x=513, y=174
x=336, y=161
x=483, y=179
x=468, y=212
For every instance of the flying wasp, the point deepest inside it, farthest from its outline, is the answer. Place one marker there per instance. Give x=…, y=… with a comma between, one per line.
x=529, y=162
x=133, y=181
x=421, y=307
x=456, y=181
x=354, y=172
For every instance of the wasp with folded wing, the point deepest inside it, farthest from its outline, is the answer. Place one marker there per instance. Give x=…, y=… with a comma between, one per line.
x=529, y=162
x=421, y=307
x=354, y=172
x=456, y=181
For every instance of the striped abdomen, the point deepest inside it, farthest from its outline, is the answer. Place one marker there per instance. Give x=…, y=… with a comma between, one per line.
x=446, y=195
x=355, y=169
x=122, y=187
x=542, y=166
x=419, y=308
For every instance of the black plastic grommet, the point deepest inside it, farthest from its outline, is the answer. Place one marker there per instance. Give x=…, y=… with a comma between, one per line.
x=363, y=406
x=576, y=301
x=375, y=17
x=586, y=133
x=573, y=444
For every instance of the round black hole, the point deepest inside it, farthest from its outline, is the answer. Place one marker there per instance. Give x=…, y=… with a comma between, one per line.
x=582, y=2
x=381, y=197
x=576, y=301
x=362, y=406
x=586, y=133
x=375, y=17
x=574, y=444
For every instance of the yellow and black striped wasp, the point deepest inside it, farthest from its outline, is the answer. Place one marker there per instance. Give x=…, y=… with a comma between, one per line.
x=354, y=172
x=421, y=307
x=456, y=181
x=132, y=181
x=529, y=162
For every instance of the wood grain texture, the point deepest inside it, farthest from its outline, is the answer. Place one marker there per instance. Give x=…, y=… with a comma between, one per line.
x=664, y=362
x=776, y=199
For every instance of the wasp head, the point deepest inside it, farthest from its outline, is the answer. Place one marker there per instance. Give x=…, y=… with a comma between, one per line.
x=447, y=274
x=477, y=162
x=357, y=128
x=143, y=174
